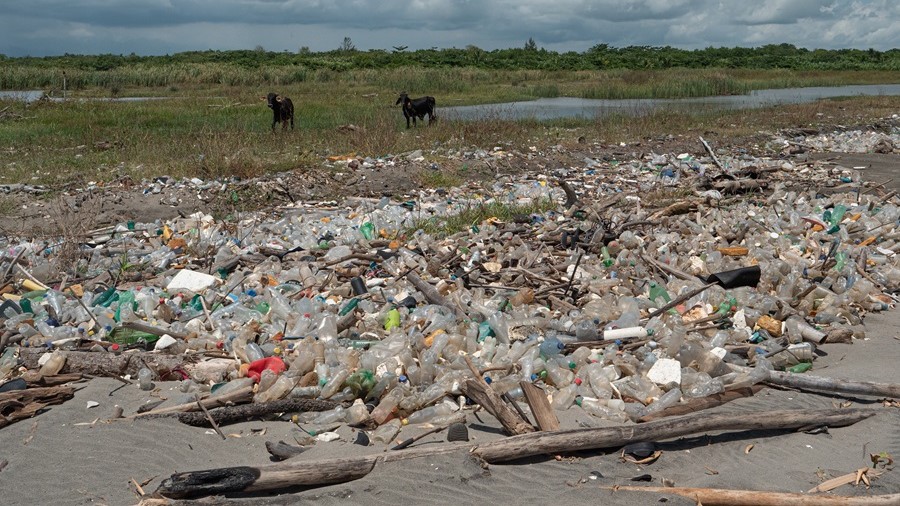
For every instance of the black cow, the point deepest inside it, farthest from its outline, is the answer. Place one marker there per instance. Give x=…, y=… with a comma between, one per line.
x=282, y=110
x=417, y=108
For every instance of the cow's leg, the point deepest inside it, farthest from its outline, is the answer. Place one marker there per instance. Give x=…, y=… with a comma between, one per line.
x=292, y=121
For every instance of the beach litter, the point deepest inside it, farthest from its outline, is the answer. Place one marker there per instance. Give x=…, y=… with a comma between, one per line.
x=625, y=300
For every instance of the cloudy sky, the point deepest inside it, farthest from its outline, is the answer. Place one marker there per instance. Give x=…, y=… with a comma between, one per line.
x=52, y=27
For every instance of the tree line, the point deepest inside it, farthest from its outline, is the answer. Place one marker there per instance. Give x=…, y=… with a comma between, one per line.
x=529, y=57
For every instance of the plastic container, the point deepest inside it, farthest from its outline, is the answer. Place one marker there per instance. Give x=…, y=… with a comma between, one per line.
x=145, y=379
x=53, y=365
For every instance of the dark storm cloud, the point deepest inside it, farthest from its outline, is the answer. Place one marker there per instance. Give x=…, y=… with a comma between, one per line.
x=41, y=27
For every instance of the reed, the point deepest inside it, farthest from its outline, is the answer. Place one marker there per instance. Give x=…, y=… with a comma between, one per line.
x=208, y=126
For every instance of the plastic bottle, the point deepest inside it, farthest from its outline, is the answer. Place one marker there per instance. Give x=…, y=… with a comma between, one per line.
x=559, y=376
x=600, y=409
x=387, y=432
x=54, y=364
x=319, y=353
x=666, y=400
x=427, y=414
x=253, y=352
x=125, y=310
x=586, y=330
x=564, y=397
x=387, y=405
x=8, y=361
x=338, y=414
x=335, y=383
x=551, y=347
x=357, y=413
x=145, y=379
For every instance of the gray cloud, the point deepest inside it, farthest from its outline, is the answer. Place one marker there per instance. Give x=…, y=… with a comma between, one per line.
x=48, y=27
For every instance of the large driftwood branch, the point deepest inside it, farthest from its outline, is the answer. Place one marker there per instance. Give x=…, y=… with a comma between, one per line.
x=479, y=391
x=108, y=364
x=571, y=196
x=712, y=154
x=328, y=471
x=702, y=403
x=831, y=385
x=723, y=497
x=21, y=404
x=244, y=412
x=239, y=396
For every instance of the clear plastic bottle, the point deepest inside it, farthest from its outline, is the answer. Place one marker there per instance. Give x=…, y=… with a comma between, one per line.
x=551, y=347
x=145, y=379
x=427, y=414
x=54, y=364
x=8, y=360
x=338, y=414
x=335, y=383
x=563, y=398
x=254, y=352
x=387, y=432
x=387, y=405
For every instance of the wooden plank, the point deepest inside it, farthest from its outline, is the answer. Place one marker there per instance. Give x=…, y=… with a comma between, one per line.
x=540, y=407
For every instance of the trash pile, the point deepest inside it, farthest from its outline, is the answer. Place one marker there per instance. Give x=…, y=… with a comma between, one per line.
x=659, y=281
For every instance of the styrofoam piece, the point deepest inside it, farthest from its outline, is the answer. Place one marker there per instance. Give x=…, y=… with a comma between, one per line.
x=164, y=342
x=193, y=281
x=665, y=371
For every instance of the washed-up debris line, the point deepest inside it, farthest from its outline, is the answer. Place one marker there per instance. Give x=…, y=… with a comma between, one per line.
x=661, y=282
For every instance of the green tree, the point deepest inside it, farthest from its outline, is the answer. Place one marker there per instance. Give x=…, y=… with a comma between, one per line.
x=531, y=45
x=347, y=45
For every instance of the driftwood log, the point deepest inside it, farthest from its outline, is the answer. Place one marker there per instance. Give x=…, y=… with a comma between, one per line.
x=109, y=364
x=328, y=471
x=239, y=396
x=723, y=497
x=831, y=385
x=244, y=412
x=543, y=413
x=18, y=405
x=702, y=403
x=479, y=391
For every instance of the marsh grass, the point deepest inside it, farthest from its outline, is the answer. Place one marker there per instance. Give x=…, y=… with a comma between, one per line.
x=211, y=125
x=475, y=214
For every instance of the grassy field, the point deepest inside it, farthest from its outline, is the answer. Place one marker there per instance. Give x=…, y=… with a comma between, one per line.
x=214, y=131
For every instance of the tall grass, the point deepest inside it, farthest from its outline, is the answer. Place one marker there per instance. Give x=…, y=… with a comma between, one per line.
x=469, y=84
x=475, y=214
x=219, y=130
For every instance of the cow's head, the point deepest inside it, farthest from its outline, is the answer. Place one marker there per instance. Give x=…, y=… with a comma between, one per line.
x=272, y=99
x=402, y=99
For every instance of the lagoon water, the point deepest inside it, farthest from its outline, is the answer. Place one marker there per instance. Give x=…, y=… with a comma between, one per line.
x=567, y=107
x=35, y=95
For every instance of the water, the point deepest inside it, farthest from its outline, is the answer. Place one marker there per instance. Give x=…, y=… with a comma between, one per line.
x=567, y=107
x=29, y=96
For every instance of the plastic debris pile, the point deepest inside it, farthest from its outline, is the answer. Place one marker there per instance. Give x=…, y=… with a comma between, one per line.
x=670, y=278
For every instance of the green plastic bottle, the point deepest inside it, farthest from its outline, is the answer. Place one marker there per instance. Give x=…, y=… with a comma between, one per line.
x=368, y=230
x=106, y=298
x=608, y=261
x=657, y=291
x=349, y=307
x=392, y=320
x=800, y=368
x=126, y=298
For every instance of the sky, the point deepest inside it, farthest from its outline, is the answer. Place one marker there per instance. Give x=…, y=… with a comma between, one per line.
x=157, y=27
